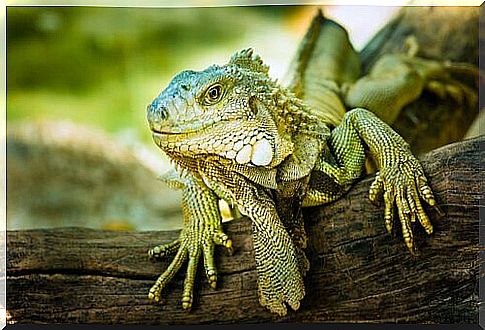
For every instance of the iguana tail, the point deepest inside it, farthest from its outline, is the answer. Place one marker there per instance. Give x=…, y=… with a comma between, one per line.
x=324, y=61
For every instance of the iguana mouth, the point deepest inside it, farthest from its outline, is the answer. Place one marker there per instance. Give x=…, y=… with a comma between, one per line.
x=187, y=131
x=167, y=132
x=155, y=131
x=181, y=129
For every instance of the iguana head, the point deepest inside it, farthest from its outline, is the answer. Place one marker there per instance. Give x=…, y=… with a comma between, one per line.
x=223, y=111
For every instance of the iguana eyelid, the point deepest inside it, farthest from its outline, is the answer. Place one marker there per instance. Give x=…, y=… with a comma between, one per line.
x=207, y=99
x=225, y=85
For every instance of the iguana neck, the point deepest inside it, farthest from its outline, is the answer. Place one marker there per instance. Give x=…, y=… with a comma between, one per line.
x=291, y=115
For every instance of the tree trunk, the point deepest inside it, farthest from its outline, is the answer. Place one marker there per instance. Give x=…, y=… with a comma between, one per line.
x=359, y=273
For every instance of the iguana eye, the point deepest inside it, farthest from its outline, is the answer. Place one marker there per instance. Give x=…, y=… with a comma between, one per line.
x=213, y=94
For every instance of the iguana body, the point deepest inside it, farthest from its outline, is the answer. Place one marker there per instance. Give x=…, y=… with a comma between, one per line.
x=236, y=134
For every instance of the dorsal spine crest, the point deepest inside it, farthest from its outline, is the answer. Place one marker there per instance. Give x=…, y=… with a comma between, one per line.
x=247, y=60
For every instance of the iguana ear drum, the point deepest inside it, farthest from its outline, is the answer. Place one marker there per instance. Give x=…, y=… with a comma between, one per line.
x=253, y=106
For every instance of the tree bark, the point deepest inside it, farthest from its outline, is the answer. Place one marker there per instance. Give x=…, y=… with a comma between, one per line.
x=359, y=272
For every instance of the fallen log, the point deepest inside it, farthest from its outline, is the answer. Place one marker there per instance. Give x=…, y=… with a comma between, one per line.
x=359, y=272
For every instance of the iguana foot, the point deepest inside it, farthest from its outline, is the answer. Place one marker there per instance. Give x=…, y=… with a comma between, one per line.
x=193, y=242
x=438, y=79
x=438, y=75
x=450, y=88
x=403, y=184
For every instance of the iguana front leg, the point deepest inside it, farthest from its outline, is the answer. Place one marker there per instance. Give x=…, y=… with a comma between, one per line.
x=202, y=230
x=288, y=202
x=401, y=179
x=280, y=280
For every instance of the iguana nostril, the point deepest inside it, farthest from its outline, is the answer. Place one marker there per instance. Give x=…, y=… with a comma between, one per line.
x=156, y=112
x=163, y=113
x=184, y=87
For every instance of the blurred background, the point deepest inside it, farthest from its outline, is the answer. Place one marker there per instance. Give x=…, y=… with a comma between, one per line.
x=79, y=152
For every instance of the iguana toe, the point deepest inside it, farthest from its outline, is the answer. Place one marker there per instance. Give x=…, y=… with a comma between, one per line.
x=188, y=294
x=161, y=251
x=453, y=89
x=180, y=257
x=376, y=189
x=220, y=238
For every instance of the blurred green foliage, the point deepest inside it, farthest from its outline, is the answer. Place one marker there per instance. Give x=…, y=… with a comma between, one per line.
x=101, y=66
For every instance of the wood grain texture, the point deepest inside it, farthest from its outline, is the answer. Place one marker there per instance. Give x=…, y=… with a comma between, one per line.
x=359, y=273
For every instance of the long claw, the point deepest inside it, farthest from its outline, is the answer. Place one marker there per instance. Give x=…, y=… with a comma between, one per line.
x=462, y=68
x=423, y=219
x=407, y=233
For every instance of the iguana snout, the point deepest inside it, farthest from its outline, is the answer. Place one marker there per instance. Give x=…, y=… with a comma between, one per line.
x=175, y=109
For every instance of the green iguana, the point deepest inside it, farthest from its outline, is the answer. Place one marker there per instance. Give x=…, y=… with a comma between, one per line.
x=236, y=134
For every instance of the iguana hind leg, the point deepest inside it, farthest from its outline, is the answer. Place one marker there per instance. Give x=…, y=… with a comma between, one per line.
x=396, y=80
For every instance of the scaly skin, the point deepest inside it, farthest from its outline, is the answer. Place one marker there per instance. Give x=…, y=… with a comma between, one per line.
x=235, y=134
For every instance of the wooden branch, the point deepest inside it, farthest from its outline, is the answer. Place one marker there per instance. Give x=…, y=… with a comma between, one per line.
x=359, y=273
